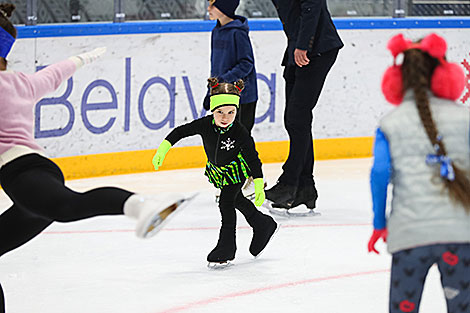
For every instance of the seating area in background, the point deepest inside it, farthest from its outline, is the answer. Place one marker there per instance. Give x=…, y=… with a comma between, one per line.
x=66, y=11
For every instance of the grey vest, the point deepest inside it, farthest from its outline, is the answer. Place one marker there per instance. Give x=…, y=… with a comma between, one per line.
x=422, y=212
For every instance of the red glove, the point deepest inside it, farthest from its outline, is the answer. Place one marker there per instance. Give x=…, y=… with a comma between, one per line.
x=376, y=235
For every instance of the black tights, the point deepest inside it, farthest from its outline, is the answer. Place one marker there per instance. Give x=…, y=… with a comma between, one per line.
x=231, y=197
x=36, y=187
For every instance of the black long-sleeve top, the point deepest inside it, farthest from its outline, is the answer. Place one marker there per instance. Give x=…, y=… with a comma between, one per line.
x=221, y=146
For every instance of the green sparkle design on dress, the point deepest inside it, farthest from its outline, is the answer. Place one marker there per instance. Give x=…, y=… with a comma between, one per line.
x=229, y=174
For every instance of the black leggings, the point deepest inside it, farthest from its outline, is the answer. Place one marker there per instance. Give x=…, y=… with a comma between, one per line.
x=231, y=197
x=36, y=186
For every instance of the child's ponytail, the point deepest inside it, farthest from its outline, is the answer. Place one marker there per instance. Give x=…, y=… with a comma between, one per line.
x=418, y=68
x=240, y=84
x=212, y=82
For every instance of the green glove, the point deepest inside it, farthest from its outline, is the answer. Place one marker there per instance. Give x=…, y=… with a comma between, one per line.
x=162, y=150
x=259, y=191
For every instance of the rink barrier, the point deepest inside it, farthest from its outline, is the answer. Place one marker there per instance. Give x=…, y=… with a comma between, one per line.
x=155, y=27
x=128, y=162
x=114, y=163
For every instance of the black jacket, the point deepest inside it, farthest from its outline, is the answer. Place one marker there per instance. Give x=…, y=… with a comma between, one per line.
x=308, y=26
x=221, y=147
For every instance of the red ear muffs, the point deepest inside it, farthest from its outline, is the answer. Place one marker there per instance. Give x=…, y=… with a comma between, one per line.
x=434, y=45
x=448, y=81
x=392, y=85
x=397, y=44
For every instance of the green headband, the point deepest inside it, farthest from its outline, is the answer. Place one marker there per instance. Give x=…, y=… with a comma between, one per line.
x=224, y=99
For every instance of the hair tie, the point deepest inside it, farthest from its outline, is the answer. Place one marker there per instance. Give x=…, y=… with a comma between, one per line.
x=239, y=89
x=446, y=168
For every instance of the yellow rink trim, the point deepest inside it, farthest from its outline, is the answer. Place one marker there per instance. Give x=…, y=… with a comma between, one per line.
x=189, y=157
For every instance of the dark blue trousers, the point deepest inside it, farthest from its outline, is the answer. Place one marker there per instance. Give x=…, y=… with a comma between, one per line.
x=410, y=268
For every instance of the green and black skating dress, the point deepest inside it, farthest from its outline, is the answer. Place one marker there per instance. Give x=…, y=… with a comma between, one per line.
x=231, y=153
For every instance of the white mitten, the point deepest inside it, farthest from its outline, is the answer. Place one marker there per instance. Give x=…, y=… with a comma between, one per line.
x=88, y=57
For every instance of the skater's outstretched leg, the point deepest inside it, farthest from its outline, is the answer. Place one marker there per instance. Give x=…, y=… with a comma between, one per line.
x=36, y=185
x=18, y=226
x=152, y=212
x=263, y=225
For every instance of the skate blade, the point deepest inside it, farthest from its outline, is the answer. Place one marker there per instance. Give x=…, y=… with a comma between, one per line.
x=272, y=236
x=288, y=213
x=162, y=217
x=250, y=197
x=219, y=265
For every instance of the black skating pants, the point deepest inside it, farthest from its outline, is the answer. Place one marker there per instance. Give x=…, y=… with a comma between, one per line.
x=36, y=186
x=246, y=115
x=410, y=268
x=231, y=197
x=303, y=88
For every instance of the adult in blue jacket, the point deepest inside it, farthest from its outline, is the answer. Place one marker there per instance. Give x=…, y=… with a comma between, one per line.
x=312, y=47
x=232, y=56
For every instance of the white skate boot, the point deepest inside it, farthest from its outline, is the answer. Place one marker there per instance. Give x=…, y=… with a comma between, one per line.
x=153, y=212
x=248, y=188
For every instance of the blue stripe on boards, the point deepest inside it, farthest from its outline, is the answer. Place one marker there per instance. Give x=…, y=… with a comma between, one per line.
x=190, y=26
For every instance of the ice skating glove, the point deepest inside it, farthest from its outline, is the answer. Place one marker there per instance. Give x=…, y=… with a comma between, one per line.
x=259, y=191
x=88, y=57
x=376, y=235
x=162, y=150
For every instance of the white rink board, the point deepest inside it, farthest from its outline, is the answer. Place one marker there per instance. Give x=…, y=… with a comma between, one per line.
x=350, y=105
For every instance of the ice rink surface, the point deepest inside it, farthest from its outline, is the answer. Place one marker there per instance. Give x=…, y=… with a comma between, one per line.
x=315, y=264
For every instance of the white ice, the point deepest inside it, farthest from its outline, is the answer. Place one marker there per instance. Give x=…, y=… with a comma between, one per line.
x=316, y=264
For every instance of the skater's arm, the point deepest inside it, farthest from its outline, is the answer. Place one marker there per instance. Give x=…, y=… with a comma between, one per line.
x=245, y=61
x=379, y=178
x=190, y=129
x=49, y=78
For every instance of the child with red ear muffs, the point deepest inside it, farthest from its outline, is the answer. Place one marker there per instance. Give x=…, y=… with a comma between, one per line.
x=422, y=148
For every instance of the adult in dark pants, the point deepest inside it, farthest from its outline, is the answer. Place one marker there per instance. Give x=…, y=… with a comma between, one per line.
x=313, y=45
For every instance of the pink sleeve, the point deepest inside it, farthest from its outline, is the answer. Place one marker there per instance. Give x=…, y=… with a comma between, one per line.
x=49, y=78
